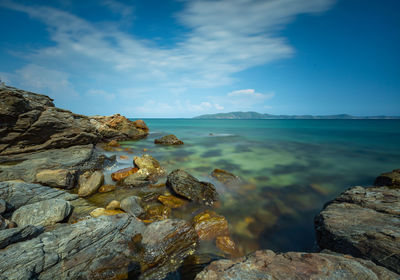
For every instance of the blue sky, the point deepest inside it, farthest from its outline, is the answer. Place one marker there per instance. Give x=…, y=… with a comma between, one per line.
x=178, y=58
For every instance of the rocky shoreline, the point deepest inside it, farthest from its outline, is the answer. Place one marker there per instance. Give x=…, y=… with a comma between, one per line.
x=52, y=161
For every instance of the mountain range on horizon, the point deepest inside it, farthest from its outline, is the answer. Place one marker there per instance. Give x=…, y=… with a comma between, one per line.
x=255, y=115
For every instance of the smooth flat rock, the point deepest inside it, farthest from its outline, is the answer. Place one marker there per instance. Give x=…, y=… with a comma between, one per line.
x=363, y=222
x=189, y=187
x=58, y=178
x=131, y=205
x=42, y=213
x=89, y=182
x=168, y=140
x=225, y=177
x=14, y=235
x=294, y=265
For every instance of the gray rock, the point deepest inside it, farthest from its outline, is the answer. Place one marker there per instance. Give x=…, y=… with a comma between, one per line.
x=177, y=237
x=168, y=140
x=363, y=222
x=187, y=186
x=3, y=206
x=59, y=178
x=42, y=213
x=131, y=205
x=90, y=182
x=294, y=265
x=3, y=223
x=14, y=235
x=389, y=179
x=139, y=179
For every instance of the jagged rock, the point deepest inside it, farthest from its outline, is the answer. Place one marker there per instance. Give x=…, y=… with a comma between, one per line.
x=293, y=265
x=139, y=179
x=59, y=178
x=42, y=213
x=90, y=182
x=141, y=125
x=224, y=176
x=26, y=166
x=171, y=201
x=30, y=122
x=389, y=179
x=131, y=205
x=104, y=212
x=168, y=140
x=189, y=187
x=14, y=235
x=123, y=173
x=227, y=245
x=118, y=127
x=150, y=165
x=363, y=222
x=209, y=225
x=176, y=237
x=3, y=206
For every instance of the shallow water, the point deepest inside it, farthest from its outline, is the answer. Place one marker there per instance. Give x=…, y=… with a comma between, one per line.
x=289, y=169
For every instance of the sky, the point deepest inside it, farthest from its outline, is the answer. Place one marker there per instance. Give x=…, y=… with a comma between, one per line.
x=183, y=58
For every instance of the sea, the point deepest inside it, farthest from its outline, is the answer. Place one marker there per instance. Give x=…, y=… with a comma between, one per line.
x=288, y=169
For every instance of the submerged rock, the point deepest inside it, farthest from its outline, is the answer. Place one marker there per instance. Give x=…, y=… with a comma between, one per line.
x=189, y=187
x=209, y=225
x=389, y=179
x=90, y=182
x=42, y=213
x=131, y=205
x=113, y=143
x=171, y=201
x=14, y=235
x=227, y=245
x=224, y=177
x=59, y=178
x=168, y=140
x=293, y=265
x=123, y=173
x=363, y=222
x=176, y=237
x=107, y=188
x=157, y=212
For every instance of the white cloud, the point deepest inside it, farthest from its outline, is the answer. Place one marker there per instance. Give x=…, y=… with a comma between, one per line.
x=250, y=93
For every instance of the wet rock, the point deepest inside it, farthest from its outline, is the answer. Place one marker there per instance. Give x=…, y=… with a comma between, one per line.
x=59, y=178
x=389, y=179
x=114, y=204
x=189, y=187
x=117, y=127
x=99, y=248
x=42, y=213
x=105, y=212
x=227, y=245
x=363, y=222
x=113, y=143
x=168, y=140
x=131, y=205
x=30, y=122
x=90, y=182
x=293, y=265
x=156, y=212
x=123, y=173
x=141, y=125
x=225, y=177
x=107, y=188
x=171, y=201
x=14, y=235
x=209, y=225
x=3, y=224
x=3, y=206
x=176, y=237
x=150, y=165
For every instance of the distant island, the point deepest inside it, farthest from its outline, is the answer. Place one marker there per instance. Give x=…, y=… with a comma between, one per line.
x=255, y=115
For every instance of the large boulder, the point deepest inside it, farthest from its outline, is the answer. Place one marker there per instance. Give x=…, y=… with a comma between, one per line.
x=189, y=187
x=294, y=265
x=19, y=234
x=363, y=222
x=389, y=179
x=42, y=213
x=168, y=140
x=90, y=182
x=118, y=127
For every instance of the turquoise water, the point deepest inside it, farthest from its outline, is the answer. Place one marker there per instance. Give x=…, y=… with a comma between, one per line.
x=289, y=168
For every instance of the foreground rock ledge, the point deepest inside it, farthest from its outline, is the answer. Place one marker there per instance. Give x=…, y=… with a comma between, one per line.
x=294, y=265
x=363, y=222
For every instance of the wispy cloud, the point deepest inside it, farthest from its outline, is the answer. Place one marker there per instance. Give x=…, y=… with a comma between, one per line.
x=225, y=37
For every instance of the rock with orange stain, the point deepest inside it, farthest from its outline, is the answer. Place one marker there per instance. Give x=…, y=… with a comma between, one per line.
x=107, y=188
x=145, y=150
x=209, y=225
x=227, y=245
x=171, y=201
x=123, y=173
x=113, y=143
x=157, y=212
x=103, y=212
x=141, y=124
x=123, y=157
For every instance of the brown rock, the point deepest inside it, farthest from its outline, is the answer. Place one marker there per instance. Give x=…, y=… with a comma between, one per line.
x=107, y=188
x=150, y=165
x=209, y=225
x=123, y=157
x=224, y=176
x=123, y=173
x=389, y=179
x=157, y=212
x=59, y=178
x=113, y=143
x=114, y=204
x=227, y=245
x=141, y=124
x=294, y=265
x=103, y=212
x=171, y=201
x=90, y=182
x=168, y=140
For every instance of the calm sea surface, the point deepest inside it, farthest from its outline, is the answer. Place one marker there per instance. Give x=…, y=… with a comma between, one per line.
x=289, y=168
